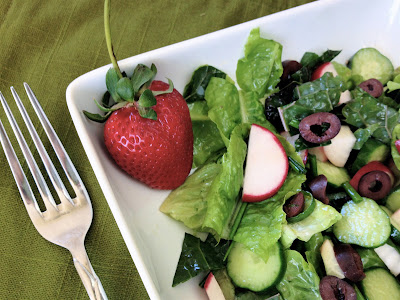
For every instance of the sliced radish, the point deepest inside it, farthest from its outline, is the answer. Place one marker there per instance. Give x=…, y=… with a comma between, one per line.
x=391, y=257
x=319, y=153
x=213, y=290
x=329, y=258
x=397, y=145
x=266, y=167
x=329, y=67
x=322, y=69
x=369, y=167
x=341, y=145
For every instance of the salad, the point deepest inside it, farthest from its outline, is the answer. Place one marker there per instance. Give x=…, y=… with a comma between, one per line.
x=296, y=177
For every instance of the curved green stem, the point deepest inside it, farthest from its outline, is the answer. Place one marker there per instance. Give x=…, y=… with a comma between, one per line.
x=107, y=29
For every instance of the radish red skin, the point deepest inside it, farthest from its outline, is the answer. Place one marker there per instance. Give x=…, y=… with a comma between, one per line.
x=247, y=197
x=371, y=166
x=397, y=145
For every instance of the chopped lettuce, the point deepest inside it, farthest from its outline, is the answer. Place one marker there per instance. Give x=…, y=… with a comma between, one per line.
x=320, y=95
x=221, y=198
x=198, y=256
x=261, y=225
x=395, y=153
x=365, y=110
x=300, y=280
x=323, y=217
x=313, y=254
x=260, y=69
x=207, y=141
x=188, y=202
x=195, y=89
x=395, y=84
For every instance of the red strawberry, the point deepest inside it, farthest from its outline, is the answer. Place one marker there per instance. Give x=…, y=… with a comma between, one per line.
x=158, y=152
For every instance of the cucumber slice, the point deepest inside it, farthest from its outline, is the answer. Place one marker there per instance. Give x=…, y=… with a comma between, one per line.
x=379, y=284
x=393, y=200
x=336, y=176
x=248, y=270
x=364, y=224
x=370, y=63
x=309, y=207
x=372, y=150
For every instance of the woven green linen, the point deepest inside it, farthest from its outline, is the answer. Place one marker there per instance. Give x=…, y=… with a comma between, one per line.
x=48, y=44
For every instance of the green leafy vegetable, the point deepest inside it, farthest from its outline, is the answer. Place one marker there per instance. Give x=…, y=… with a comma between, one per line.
x=223, y=192
x=395, y=84
x=300, y=280
x=310, y=61
x=364, y=134
x=207, y=141
x=365, y=110
x=323, y=217
x=261, y=68
x=188, y=203
x=313, y=254
x=261, y=225
x=369, y=258
x=320, y=95
x=395, y=153
x=195, y=89
x=198, y=256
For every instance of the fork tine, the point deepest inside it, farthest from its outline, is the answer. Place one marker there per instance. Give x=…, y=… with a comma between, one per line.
x=36, y=174
x=48, y=164
x=62, y=155
x=22, y=183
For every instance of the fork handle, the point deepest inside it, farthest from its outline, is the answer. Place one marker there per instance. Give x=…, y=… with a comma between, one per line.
x=89, y=278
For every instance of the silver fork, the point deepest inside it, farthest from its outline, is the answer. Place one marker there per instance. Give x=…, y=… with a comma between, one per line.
x=64, y=224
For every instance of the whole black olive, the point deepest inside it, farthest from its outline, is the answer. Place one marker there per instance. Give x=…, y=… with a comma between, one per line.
x=312, y=127
x=294, y=205
x=318, y=188
x=350, y=262
x=289, y=67
x=375, y=185
x=372, y=86
x=333, y=288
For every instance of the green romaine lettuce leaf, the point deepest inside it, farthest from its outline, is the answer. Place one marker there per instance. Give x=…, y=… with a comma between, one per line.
x=261, y=68
x=198, y=256
x=313, y=254
x=365, y=110
x=207, y=141
x=323, y=217
x=221, y=198
x=394, y=151
x=195, y=89
x=369, y=258
x=310, y=61
x=300, y=280
x=395, y=84
x=320, y=95
x=188, y=202
x=261, y=225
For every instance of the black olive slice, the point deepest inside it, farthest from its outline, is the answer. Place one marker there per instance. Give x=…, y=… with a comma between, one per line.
x=350, y=262
x=294, y=205
x=318, y=188
x=312, y=128
x=333, y=288
x=289, y=67
x=375, y=185
x=372, y=86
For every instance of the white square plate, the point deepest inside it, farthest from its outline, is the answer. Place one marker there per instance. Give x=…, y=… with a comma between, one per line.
x=153, y=239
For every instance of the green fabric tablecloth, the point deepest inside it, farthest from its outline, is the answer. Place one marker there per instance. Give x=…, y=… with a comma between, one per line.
x=48, y=44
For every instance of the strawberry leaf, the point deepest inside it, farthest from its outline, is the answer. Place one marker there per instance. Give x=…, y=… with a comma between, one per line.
x=170, y=89
x=96, y=117
x=142, y=75
x=124, y=89
x=112, y=79
x=147, y=99
x=147, y=113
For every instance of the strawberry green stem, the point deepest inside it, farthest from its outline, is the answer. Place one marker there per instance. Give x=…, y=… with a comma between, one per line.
x=107, y=29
